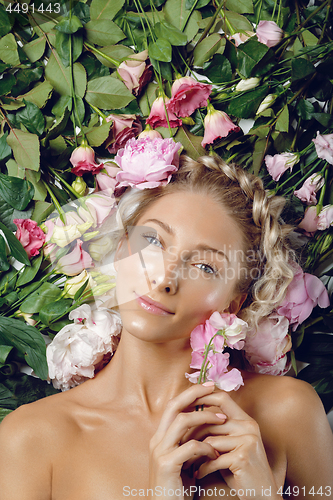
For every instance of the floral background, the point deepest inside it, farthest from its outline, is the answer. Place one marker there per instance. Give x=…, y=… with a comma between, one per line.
x=250, y=80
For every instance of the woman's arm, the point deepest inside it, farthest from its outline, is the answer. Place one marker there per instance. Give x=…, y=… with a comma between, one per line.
x=25, y=469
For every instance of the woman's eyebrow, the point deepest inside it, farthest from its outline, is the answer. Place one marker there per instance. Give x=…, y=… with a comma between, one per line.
x=201, y=246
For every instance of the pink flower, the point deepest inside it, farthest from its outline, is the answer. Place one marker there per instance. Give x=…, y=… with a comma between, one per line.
x=157, y=116
x=149, y=132
x=74, y=262
x=233, y=328
x=269, y=33
x=76, y=351
x=30, y=236
x=278, y=164
x=324, y=147
x=83, y=160
x=147, y=163
x=107, y=180
x=217, y=125
x=310, y=221
x=124, y=127
x=136, y=72
x=304, y=293
x=325, y=218
x=201, y=336
x=187, y=95
x=224, y=379
x=267, y=345
x=307, y=192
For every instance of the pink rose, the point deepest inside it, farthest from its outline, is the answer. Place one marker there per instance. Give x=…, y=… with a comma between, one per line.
x=124, y=127
x=324, y=147
x=307, y=192
x=278, y=164
x=304, y=293
x=76, y=351
x=217, y=124
x=30, y=236
x=136, y=72
x=310, y=221
x=150, y=132
x=325, y=218
x=147, y=163
x=99, y=207
x=269, y=33
x=157, y=116
x=83, y=160
x=107, y=180
x=187, y=95
x=74, y=262
x=266, y=346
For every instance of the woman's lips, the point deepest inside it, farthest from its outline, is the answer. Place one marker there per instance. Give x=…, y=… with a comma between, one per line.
x=151, y=306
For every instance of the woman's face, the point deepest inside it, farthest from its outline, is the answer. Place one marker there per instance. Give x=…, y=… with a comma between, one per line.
x=180, y=263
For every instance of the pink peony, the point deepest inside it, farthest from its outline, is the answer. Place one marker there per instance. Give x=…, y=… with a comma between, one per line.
x=307, y=192
x=304, y=293
x=278, y=164
x=78, y=348
x=217, y=125
x=310, y=221
x=83, y=160
x=325, y=218
x=147, y=163
x=157, y=116
x=30, y=236
x=267, y=345
x=74, y=262
x=187, y=95
x=124, y=127
x=136, y=72
x=269, y=33
x=324, y=147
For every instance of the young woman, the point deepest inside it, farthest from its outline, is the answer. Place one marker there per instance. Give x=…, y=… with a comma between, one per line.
x=133, y=430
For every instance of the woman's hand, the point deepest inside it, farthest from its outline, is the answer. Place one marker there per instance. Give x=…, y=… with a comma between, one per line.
x=168, y=450
x=242, y=459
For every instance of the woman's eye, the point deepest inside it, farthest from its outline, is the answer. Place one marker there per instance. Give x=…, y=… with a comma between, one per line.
x=152, y=240
x=207, y=268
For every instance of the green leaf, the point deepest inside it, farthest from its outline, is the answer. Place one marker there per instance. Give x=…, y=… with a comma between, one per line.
x=16, y=192
x=41, y=211
x=206, y=49
x=6, y=398
x=105, y=9
x=28, y=341
x=69, y=25
x=59, y=76
x=35, y=49
x=31, y=117
x=218, y=70
x=239, y=23
x=8, y=50
x=45, y=294
x=59, y=125
x=25, y=148
x=40, y=191
x=8, y=214
x=191, y=143
x=30, y=272
x=4, y=264
x=176, y=13
x=39, y=94
x=248, y=55
x=58, y=325
x=240, y=6
x=55, y=310
x=4, y=352
x=282, y=124
x=198, y=5
x=160, y=50
x=247, y=104
x=323, y=118
x=169, y=32
x=62, y=45
x=6, y=83
x=301, y=68
x=5, y=25
x=305, y=109
x=108, y=93
x=97, y=135
x=258, y=154
x=65, y=101
x=117, y=52
x=5, y=150
x=15, y=246
x=103, y=32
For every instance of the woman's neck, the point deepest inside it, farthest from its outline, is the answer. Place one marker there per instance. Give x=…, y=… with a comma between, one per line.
x=147, y=374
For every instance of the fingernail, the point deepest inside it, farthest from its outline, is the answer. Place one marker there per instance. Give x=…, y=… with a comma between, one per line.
x=217, y=454
x=195, y=475
x=208, y=384
x=222, y=416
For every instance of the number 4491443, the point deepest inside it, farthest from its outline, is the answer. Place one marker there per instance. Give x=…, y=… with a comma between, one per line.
x=295, y=491
x=23, y=8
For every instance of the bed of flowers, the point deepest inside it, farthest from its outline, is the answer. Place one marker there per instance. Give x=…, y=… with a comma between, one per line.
x=250, y=80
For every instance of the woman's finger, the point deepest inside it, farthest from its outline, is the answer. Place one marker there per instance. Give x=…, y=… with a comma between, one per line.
x=230, y=427
x=225, y=402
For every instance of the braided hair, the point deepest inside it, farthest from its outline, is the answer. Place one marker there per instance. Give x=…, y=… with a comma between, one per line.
x=267, y=271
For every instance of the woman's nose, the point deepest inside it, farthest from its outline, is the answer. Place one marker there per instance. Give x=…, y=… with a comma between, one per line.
x=162, y=274
x=168, y=283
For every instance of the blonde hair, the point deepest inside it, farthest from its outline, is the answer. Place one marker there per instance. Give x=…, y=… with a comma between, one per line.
x=256, y=213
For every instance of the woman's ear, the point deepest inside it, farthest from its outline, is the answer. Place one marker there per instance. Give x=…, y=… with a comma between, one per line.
x=236, y=303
